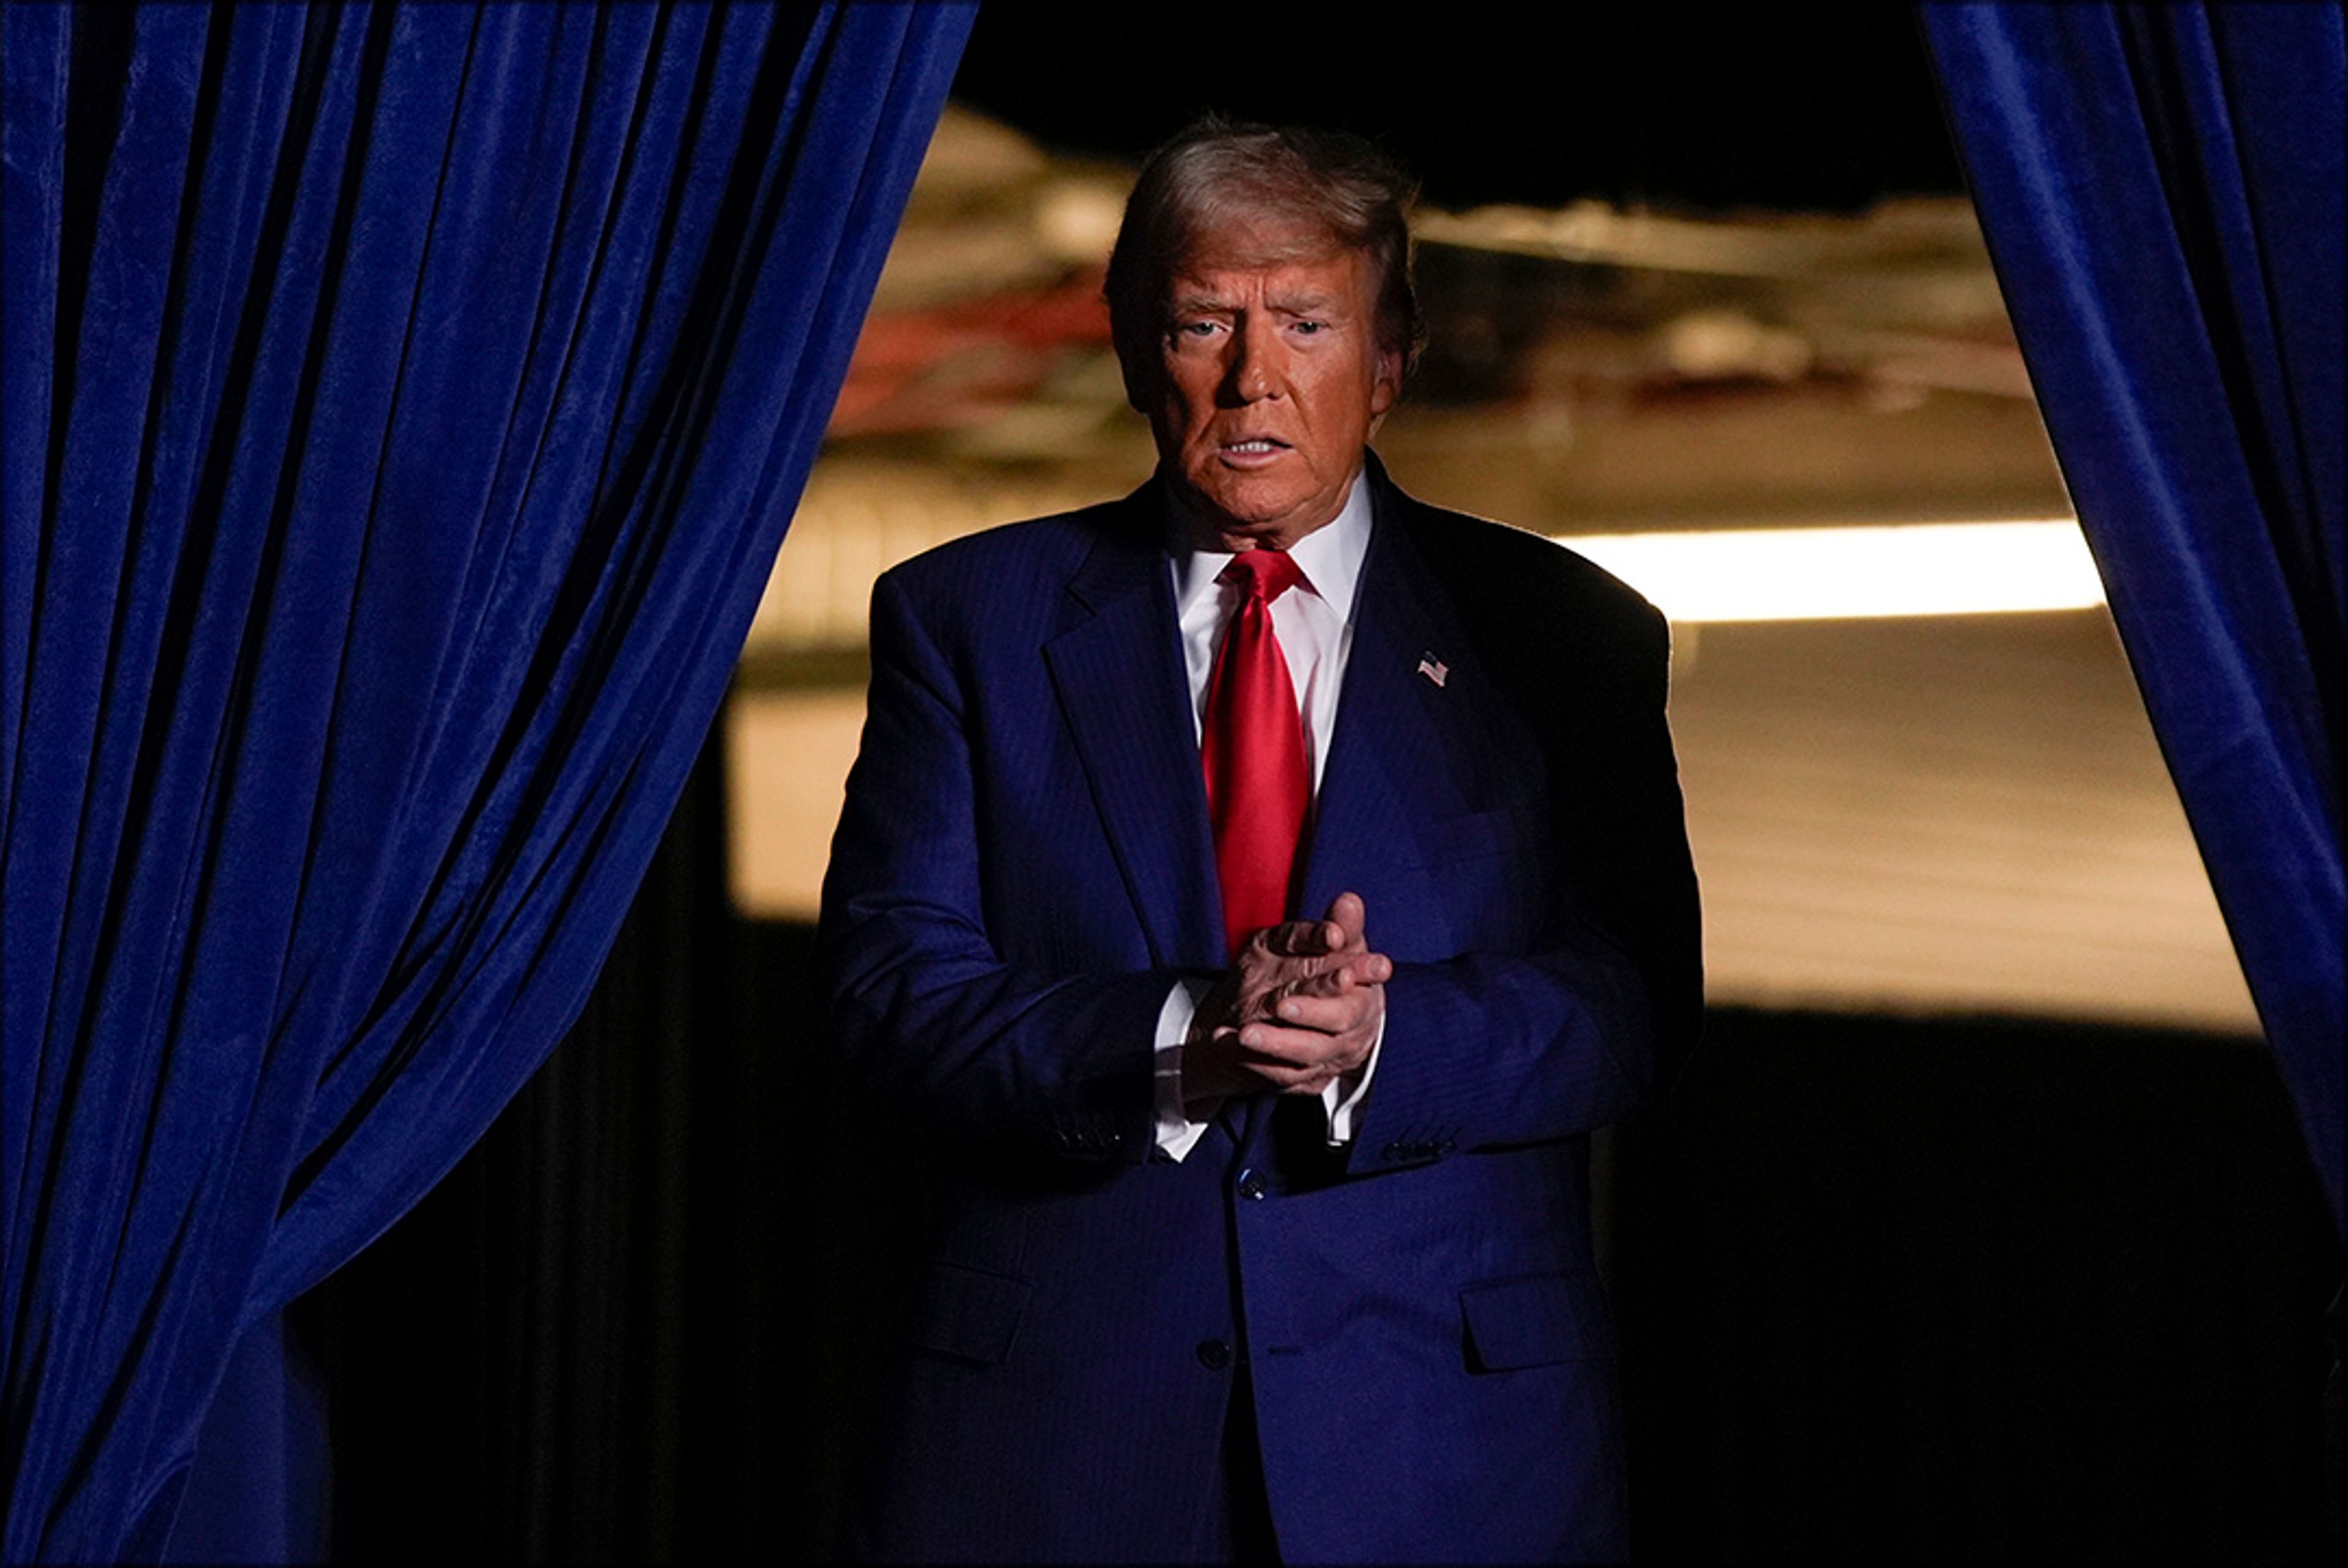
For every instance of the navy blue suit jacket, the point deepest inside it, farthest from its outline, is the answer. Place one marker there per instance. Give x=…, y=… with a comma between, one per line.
x=1025, y=867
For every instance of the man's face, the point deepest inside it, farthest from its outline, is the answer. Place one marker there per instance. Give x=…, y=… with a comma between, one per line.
x=1267, y=383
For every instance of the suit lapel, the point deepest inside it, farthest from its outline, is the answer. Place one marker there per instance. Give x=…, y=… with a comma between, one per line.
x=1400, y=728
x=1117, y=673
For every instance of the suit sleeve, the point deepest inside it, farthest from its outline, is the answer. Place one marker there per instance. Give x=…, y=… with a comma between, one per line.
x=923, y=1009
x=1581, y=1026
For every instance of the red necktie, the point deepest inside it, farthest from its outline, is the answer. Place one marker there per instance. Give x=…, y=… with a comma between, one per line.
x=1252, y=744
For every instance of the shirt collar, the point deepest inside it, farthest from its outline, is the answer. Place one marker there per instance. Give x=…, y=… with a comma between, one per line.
x=1330, y=556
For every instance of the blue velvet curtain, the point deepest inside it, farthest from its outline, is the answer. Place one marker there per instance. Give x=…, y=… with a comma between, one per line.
x=2162, y=189
x=403, y=405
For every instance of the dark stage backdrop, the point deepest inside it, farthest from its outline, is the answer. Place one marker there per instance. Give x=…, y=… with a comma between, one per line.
x=629, y=1325
x=1964, y=1289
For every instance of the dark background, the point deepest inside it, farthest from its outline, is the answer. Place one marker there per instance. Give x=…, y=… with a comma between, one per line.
x=1964, y=1289
x=1689, y=106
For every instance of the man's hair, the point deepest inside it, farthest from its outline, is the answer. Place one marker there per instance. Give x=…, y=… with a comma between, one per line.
x=1217, y=175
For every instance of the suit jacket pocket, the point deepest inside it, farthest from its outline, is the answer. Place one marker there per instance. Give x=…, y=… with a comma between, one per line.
x=1535, y=1321
x=969, y=1314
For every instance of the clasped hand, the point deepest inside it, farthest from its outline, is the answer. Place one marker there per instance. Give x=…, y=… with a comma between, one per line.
x=1300, y=1007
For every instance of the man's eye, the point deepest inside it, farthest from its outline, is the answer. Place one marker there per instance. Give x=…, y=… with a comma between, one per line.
x=1309, y=327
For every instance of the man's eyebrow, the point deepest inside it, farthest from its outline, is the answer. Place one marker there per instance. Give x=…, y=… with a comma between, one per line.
x=1312, y=302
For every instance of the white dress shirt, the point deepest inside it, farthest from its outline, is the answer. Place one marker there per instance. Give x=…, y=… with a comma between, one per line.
x=1315, y=623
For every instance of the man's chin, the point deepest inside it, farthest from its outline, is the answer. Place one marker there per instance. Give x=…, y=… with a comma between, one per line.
x=1233, y=518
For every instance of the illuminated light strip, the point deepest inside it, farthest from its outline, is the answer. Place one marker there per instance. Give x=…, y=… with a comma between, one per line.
x=1836, y=573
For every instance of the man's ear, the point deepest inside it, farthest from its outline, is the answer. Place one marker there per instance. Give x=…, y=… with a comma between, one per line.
x=1385, y=382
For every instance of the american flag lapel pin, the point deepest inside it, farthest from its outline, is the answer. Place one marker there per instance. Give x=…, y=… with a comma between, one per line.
x=1434, y=669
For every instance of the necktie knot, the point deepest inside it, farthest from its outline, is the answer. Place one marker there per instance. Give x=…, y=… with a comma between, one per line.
x=1263, y=573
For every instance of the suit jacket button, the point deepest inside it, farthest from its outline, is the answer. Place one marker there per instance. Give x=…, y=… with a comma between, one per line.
x=1214, y=1355
x=1251, y=1183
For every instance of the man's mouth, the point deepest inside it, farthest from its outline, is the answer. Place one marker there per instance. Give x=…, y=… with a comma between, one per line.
x=1254, y=446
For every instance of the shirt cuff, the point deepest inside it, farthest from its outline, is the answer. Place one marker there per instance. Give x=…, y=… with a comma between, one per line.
x=1345, y=1093
x=1176, y=1133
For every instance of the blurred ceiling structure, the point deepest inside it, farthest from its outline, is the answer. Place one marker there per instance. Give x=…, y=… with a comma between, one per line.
x=1914, y=813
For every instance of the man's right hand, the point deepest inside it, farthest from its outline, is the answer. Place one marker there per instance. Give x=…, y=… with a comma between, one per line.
x=1300, y=1006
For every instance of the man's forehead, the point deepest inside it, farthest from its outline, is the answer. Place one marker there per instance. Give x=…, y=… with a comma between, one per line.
x=1257, y=240
x=1232, y=286
x=1330, y=275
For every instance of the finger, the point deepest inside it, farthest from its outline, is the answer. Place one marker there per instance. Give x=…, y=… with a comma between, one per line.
x=1262, y=979
x=1345, y=1013
x=1337, y=937
x=1301, y=940
x=1266, y=1047
x=1350, y=916
x=1353, y=973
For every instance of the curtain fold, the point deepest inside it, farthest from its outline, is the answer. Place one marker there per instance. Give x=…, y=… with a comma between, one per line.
x=403, y=402
x=2161, y=188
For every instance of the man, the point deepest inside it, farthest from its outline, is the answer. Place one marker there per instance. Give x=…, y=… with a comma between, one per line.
x=1258, y=1236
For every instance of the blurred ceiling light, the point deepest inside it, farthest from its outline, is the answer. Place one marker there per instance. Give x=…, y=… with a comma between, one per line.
x=1835, y=573
x=1076, y=219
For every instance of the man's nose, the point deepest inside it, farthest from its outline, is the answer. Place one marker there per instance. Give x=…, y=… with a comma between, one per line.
x=1253, y=373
